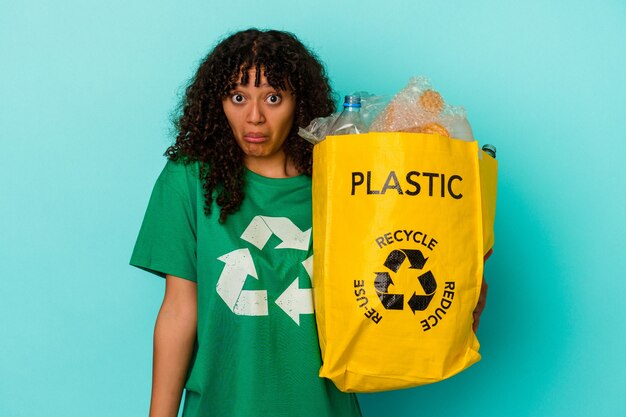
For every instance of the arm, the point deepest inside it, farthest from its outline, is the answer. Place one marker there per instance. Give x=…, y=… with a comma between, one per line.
x=482, y=298
x=174, y=337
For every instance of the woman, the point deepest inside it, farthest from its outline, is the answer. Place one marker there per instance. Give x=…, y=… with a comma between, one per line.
x=229, y=226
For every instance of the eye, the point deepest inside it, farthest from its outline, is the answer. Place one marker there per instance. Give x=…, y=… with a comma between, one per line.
x=237, y=98
x=274, y=99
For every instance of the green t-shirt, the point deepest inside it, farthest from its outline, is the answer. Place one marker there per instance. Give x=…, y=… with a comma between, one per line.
x=257, y=352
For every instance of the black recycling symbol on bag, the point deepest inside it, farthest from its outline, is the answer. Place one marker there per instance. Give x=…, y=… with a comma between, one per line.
x=396, y=301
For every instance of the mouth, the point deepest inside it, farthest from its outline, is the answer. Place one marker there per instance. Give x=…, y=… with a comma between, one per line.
x=254, y=137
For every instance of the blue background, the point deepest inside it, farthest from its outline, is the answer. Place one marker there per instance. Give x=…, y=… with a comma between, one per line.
x=86, y=92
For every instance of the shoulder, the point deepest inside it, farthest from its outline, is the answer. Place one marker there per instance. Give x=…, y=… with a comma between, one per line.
x=182, y=176
x=179, y=171
x=175, y=169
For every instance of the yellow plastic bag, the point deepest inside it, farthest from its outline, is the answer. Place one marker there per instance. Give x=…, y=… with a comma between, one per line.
x=401, y=222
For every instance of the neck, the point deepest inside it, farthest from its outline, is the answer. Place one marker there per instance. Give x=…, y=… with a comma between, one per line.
x=276, y=166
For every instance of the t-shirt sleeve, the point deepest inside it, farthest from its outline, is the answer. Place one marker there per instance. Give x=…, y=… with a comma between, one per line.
x=167, y=239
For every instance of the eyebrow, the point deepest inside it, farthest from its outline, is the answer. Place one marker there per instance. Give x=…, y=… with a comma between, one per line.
x=264, y=85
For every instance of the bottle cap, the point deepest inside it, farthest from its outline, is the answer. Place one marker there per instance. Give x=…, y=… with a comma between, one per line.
x=352, y=101
x=490, y=150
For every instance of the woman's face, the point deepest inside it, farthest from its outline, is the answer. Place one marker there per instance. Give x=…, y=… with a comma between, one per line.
x=261, y=118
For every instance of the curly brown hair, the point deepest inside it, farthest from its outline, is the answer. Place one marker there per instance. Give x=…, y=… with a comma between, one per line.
x=204, y=134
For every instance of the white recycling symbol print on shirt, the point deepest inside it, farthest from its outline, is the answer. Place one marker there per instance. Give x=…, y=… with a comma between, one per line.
x=239, y=265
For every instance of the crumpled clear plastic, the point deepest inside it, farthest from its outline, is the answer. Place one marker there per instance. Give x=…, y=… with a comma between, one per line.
x=318, y=129
x=417, y=108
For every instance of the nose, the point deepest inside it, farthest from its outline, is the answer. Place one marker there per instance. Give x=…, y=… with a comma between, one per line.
x=255, y=113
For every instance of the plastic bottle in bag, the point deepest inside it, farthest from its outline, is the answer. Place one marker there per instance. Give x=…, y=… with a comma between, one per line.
x=350, y=120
